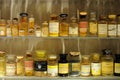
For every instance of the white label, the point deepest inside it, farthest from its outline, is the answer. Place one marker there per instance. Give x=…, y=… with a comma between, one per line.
x=54, y=27
x=10, y=69
x=96, y=68
x=53, y=70
x=118, y=32
x=102, y=28
x=112, y=30
x=85, y=70
x=2, y=30
x=73, y=30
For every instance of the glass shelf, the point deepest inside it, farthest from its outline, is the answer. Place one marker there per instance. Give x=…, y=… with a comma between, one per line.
x=59, y=78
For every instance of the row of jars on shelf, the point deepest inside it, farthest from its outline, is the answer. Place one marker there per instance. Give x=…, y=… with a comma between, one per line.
x=72, y=64
x=104, y=27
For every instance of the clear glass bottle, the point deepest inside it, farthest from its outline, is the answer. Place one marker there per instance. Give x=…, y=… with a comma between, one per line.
x=53, y=26
x=64, y=26
x=102, y=26
x=2, y=63
x=73, y=27
x=107, y=63
x=74, y=63
x=96, y=64
x=28, y=62
x=31, y=24
x=40, y=63
x=2, y=27
x=85, y=65
x=15, y=28
x=38, y=31
x=117, y=65
x=23, y=25
x=83, y=24
x=11, y=65
x=52, y=66
x=45, y=29
x=63, y=66
x=8, y=30
x=118, y=25
x=112, y=26
x=20, y=66
x=93, y=25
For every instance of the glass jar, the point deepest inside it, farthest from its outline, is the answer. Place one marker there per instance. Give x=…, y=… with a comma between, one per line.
x=15, y=28
x=117, y=65
x=74, y=63
x=40, y=63
x=52, y=66
x=2, y=63
x=2, y=27
x=20, y=66
x=28, y=62
x=45, y=29
x=11, y=65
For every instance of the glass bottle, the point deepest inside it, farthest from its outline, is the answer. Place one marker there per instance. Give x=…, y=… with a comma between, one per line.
x=93, y=25
x=28, y=62
x=23, y=25
x=53, y=26
x=2, y=27
x=15, y=28
x=85, y=65
x=118, y=25
x=102, y=26
x=74, y=63
x=73, y=27
x=63, y=66
x=40, y=63
x=83, y=24
x=20, y=66
x=107, y=63
x=117, y=65
x=31, y=23
x=38, y=31
x=52, y=66
x=45, y=29
x=112, y=26
x=8, y=30
x=11, y=65
x=64, y=26
x=2, y=63
x=96, y=64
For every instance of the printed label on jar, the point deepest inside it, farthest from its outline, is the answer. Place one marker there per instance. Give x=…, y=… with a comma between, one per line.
x=107, y=67
x=118, y=30
x=93, y=27
x=102, y=28
x=83, y=24
x=28, y=65
x=85, y=70
x=53, y=27
x=96, y=68
x=40, y=65
x=117, y=68
x=10, y=69
x=75, y=66
x=73, y=30
x=53, y=70
x=112, y=30
x=63, y=68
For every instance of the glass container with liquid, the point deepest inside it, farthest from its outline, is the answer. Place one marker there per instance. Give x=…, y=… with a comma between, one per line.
x=3, y=28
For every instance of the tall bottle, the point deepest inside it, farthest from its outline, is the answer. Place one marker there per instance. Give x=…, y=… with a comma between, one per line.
x=9, y=28
x=31, y=26
x=96, y=65
x=15, y=28
x=85, y=65
x=23, y=25
x=107, y=63
x=53, y=26
x=117, y=65
x=45, y=29
x=52, y=67
x=63, y=66
x=102, y=26
x=118, y=25
x=112, y=26
x=40, y=63
x=2, y=63
x=28, y=62
x=93, y=25
x=74, y=63
x=64, y=26
x=73, y=27
x=2, y=27
x=83, y=24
